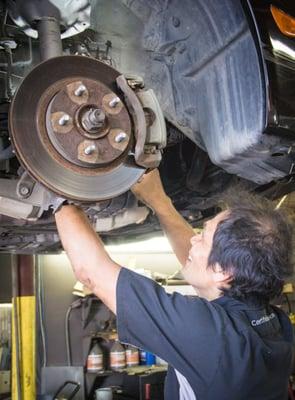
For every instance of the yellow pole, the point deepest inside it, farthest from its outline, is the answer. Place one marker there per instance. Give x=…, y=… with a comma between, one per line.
x=23, y=328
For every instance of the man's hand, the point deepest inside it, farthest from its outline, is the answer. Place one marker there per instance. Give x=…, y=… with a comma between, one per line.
x=150, y=191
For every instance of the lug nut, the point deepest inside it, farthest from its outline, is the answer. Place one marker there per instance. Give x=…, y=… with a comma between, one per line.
x=81, y=89
x=89, y=149
x=96, y=117
x=120, y=137
x=114, y=102
x=64, y=120
x=93, y=120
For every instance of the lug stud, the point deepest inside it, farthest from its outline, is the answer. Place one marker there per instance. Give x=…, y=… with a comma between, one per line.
x=81, y=89
x=64, y=120
x=89, y=149
x=121, y=137
x=114, y=102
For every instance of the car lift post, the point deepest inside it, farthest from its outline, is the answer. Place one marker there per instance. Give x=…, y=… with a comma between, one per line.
x=23, y=327
x=23, y=268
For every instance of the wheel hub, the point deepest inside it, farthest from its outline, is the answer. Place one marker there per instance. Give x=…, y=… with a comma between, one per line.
x=72, y=131
x=77, y=121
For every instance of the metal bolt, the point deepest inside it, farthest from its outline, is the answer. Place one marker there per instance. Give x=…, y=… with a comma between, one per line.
x=114, y=102
x=24, y=190
x=93, y=119
x=120, y=137
x=81, y=89
x=64, y=120
x=89, y=149
x=96, y=117
x=175, y=21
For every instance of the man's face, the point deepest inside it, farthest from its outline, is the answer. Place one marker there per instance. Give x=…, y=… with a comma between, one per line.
x=195, y=270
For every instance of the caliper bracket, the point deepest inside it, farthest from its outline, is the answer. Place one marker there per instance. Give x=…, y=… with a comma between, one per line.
x=147, y=152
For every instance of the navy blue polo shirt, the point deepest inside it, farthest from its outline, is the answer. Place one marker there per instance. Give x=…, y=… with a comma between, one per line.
x=223, y=349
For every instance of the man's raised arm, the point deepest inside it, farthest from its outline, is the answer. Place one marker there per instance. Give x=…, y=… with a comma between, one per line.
x=151, y=192
x=90, y=261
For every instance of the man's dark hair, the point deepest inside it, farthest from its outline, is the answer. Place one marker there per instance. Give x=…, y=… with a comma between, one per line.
x=254, y=244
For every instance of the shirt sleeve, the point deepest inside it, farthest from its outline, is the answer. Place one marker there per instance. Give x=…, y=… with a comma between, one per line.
x=184, y=331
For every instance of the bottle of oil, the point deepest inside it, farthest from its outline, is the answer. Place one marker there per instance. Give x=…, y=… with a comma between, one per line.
x=95, y=358
x=132, y=356
x=117, y=356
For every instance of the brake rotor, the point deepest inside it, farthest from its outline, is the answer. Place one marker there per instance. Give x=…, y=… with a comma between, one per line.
x=72, y=131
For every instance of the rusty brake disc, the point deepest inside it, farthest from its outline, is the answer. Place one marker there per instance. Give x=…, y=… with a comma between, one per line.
x=71, y=129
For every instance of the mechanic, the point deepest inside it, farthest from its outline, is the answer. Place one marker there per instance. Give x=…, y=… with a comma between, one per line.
x=227, y=343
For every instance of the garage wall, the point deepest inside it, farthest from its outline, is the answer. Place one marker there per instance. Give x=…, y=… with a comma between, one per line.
x=57, y=281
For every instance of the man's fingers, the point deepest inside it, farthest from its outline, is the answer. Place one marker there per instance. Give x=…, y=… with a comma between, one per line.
x=143, y=177
x=147, y=185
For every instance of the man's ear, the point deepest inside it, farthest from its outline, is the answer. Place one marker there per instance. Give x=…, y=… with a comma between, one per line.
x=221, y=276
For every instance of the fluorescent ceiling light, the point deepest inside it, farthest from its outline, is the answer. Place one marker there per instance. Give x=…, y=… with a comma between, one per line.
x=154, y=245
